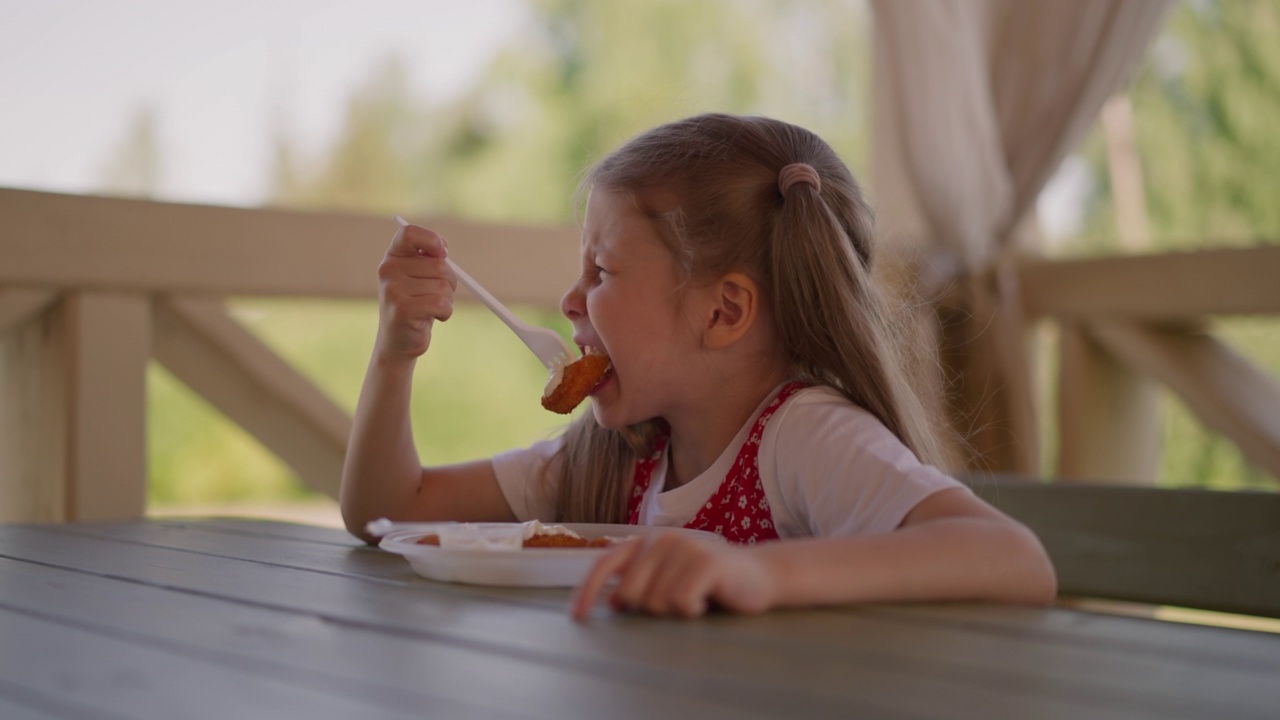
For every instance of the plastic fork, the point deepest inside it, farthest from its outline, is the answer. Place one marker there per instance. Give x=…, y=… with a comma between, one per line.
x=546, y=343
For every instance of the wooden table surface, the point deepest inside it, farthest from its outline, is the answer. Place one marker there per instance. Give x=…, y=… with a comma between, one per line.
x=224, y=618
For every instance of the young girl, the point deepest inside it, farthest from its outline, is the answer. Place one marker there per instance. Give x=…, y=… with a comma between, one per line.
x=756, y=392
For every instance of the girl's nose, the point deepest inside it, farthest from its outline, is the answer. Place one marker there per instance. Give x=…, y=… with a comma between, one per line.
x=572, y=304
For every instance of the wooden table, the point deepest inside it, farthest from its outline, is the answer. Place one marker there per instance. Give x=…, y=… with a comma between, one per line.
x=223, y=618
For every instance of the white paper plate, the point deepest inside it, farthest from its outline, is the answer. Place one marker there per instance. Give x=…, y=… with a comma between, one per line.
x=531, y=567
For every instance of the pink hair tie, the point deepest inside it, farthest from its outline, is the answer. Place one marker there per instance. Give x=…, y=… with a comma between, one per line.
x=795, y=173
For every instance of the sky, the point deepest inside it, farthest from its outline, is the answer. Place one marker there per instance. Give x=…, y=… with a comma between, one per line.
x=220, y=75
x=223, y=76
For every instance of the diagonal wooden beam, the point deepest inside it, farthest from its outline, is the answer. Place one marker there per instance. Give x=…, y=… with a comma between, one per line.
x=1226, y=391
x=238, y=374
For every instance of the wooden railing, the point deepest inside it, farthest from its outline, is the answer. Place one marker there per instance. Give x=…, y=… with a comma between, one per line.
x=1130, y=322
x=92, y=288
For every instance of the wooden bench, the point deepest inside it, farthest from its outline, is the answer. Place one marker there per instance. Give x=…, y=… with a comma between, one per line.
x=1190, y=548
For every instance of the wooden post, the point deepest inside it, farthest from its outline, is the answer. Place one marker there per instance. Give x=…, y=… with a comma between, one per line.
x=1108, y=416
x=1126, y=173
x=984, y=358
x=109, y=341
x=33, y=418
x=73, y=409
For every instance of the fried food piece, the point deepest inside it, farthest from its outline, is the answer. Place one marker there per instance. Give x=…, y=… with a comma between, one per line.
x=563, y=541
x=577, y=380
x=539, y=541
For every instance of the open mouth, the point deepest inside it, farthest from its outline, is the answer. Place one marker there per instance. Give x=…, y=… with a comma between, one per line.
x=604, y=380
x=608, y=374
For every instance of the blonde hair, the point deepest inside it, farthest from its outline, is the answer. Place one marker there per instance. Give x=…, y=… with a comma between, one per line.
x=809, y=250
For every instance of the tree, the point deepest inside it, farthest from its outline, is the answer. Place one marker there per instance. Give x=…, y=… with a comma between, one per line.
x=370, y=167
x=133, y=170
x=583, y=78
x=1205, y=104
x=1208, y=104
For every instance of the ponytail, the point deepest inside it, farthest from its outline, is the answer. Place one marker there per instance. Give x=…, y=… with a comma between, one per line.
x=832, y=317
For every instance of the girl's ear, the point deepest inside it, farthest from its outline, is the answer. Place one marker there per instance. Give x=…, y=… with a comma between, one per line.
x=734, y=307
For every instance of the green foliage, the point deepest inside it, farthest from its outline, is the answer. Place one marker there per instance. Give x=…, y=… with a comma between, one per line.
x=475, y=393
x=195, y=456
x=1207, y=107
x=1205, y=104
x=583, y=77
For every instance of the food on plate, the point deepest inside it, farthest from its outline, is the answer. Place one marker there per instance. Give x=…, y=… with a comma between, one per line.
x=570, y=385
x=532, y=534
x=564, y=541
x=540, y=541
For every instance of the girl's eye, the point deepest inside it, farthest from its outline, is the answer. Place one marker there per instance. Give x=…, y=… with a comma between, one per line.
x=600, y=272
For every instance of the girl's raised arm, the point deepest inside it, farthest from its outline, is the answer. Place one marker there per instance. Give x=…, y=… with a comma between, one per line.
x=382, y=475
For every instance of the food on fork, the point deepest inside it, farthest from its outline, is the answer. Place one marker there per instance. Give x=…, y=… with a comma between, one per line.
x=571, y=384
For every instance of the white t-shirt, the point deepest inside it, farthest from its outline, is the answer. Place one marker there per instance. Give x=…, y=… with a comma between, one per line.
x=827, y=466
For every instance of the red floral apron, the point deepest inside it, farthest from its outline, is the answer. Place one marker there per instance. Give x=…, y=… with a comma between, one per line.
x=738, y=510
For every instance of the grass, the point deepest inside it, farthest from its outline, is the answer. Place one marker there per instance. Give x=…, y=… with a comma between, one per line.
x=475, y=393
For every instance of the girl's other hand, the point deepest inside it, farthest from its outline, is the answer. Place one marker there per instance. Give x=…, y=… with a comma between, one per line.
x=673, y=575
x=415, y=289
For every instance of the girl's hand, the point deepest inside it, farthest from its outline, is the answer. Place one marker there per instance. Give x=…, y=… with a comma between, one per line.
x=676, y=575
x=415, y=289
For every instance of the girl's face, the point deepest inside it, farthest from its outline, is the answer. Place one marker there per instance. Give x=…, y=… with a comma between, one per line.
x=626, y=304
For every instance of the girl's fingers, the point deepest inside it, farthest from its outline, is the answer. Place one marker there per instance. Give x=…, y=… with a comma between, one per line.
x=649, y=583
x=416, y=287
x=676, y=563
x=418, y=267
x=436, y=287
x=412, y=241
x=428, y=268
x=668, y=576
x=417, y=293
x=692, y=595
x=423, y=308
x=409, y=286
x=635, y=582
x=406, y=323
x=606, y=567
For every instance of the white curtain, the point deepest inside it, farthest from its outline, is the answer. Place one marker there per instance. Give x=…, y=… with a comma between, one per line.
x=976, y=103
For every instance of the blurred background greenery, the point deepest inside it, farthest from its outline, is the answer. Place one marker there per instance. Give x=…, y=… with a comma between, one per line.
x=1205, y=105
x=584, y=76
